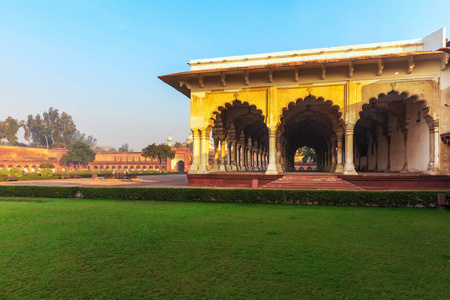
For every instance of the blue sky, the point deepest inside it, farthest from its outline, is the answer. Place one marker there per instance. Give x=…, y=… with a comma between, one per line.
x=99, y=60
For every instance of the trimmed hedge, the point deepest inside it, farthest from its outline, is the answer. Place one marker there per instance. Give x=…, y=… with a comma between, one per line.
x=359, y=198
x=32, y=176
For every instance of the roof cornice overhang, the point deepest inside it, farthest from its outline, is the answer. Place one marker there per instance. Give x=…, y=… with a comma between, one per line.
x=180, y=81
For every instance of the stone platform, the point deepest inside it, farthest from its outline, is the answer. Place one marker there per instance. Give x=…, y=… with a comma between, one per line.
x=322, y=181
x=392, y=181
x=232, y=179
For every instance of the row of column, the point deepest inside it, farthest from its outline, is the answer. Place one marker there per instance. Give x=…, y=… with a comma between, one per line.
x=433, y=165
x=331, y=156
x=242, y=157
x=239, y=156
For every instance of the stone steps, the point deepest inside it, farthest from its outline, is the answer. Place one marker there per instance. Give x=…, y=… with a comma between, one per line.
x=311, y=182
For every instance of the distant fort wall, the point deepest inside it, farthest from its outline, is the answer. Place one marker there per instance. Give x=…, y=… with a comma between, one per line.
x=29, y=159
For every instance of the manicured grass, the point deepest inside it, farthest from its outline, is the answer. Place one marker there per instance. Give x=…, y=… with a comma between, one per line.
x=68, y=248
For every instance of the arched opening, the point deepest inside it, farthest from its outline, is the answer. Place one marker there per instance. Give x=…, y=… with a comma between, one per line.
x=113, y=167
x=180, y=166
x=26, y=168
x=33, y=168
x=393, y=135
x=241, y=138
x=309, y=123
x=138, y=169
x=150, y=168
x=144, y=168
x=131, y=168
x=304, y=158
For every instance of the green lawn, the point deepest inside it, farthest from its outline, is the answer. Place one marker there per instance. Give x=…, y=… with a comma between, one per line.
x=122, y=249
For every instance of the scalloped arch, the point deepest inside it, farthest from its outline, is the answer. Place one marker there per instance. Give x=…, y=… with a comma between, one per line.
x=293, y=104
x=226, y=104
x=404, y=94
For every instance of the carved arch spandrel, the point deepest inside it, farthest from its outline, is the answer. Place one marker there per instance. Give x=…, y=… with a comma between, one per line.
x=330, y=94
x=419, y=91
x=217, y=101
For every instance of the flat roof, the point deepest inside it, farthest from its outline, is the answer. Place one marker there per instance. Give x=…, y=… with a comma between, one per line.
x=431, y=42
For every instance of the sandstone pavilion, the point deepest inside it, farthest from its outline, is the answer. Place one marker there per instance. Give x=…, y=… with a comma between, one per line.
x=381, y=107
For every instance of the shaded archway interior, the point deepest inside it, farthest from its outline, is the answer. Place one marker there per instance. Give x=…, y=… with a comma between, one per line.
x=382, y=132
x=240, y=138
x=308, y=122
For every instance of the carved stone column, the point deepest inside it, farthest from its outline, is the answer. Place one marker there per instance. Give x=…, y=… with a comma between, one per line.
x=272, y=167
x=258, y=159
x=339, y=165
x=388, y=167
x=204, y=152
x=375, y=150
x=222, y=167
x=333, y=153
x=234, y=157
x=278, y=153
x=196, y=152
x=405, y=150
x=216, y=155
x=436, y=164
x=431, y=155
x=349, y=167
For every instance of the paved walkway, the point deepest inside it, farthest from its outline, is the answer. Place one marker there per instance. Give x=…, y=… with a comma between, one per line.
x=144, y=181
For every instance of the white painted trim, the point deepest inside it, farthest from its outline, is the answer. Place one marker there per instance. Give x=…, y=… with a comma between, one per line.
x=431, y=42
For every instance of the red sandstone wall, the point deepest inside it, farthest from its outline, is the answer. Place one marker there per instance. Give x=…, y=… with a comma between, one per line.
x=33, y=157
x=29, y=157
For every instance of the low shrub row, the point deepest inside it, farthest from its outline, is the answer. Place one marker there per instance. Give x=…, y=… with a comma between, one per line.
x=360, y=198
x=49, y=174
x=32, y=176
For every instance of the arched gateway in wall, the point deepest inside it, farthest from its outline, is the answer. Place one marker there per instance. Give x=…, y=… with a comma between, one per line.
x=363, y=108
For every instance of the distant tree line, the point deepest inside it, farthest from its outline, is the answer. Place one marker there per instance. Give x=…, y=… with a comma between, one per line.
x=51, y=130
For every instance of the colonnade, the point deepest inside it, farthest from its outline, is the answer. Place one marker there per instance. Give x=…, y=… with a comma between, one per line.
x=339, y=155
x=375, y=137
x=229, y=154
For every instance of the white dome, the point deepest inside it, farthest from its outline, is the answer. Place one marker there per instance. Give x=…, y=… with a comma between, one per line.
x=169, y=138
x=189, y=138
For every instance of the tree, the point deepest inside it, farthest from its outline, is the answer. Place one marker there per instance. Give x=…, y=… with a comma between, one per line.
x=54, y=128
x=161, y=151
x=9, y=129
x=66, y=129
x=46, y=165
x=79, y=154
x=90, y=140
x=179, y=145
x=308, y=154
x=33, y=129
x=124, y=148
